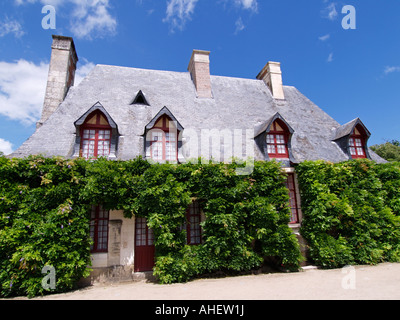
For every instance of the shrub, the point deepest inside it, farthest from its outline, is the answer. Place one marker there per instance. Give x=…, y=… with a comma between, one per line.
x=44, y=219
x=42, y=223
x=350, y=212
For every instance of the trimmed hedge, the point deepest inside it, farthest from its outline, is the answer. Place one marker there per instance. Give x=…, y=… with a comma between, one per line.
x=351, y=212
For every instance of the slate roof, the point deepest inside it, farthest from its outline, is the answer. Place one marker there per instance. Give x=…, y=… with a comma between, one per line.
x=237, y=104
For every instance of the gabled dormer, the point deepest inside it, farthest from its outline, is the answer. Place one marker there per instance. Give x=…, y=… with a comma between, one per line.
x=353, y=138
x=162, y=137
x=96, y=134
x=274, y=138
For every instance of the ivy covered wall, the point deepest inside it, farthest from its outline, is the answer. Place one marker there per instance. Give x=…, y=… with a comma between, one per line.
x=350, y=210
x=44, y=206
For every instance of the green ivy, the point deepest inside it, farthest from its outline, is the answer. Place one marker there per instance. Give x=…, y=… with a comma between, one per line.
x=42, y=223
x=351, y=216
x=351, y=212
x=44, y=220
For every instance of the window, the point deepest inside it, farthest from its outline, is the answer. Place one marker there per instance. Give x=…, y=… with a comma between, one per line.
x=99, y=229
x=96, y=136
x=357, y=143
x=277, y=140
x=163, y=140
x=193, y=220
x=290, y=184
x=144, y=236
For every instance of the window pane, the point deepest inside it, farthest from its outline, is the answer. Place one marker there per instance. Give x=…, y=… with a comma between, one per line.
x=280, y=139
x=281, y=149
x=353, y=151
x=294, y=217
x=170, y=136
x=351, y=142
x=170, y=151
x=150, y=239
x=99, y=228
x=157, y=150
x=358, y=143
x=157, y=136
x=270, y=139
x=360, y=151
x=271, y=149
x=88, y=148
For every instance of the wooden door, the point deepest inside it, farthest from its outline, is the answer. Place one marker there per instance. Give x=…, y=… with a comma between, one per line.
x=144, y=246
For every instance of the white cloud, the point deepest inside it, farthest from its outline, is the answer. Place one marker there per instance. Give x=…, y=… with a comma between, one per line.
x=92, y=18
x=6, y=147
x=22, y=88
x=392, y=69
x=251, y=5
x=88, y=18
x=239, y=25
x=330, y=57
x=179, y=12
x=10, y=27
x=330, y=12
x=325, y=37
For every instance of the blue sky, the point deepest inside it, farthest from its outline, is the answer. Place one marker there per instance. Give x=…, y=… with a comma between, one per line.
x=348, y=73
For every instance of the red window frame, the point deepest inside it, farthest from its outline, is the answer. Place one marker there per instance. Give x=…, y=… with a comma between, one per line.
x=193, y=227
x=278, y=140
x=357, y=144
x=293, y=204
x=99, y=229
x=97, y=135
x=144, y=236
x=165, y=133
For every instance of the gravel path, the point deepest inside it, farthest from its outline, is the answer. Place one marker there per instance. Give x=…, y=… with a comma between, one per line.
x=361, y=282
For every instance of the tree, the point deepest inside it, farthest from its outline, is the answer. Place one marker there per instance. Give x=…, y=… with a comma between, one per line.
x=389, y=151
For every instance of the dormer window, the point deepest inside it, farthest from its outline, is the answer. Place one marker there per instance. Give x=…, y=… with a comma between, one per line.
x=357, y=143
x=273, y=138
x=96, y=134
x=163, y=144
x=162, y=137
x=277, y=140
x=96, y=137
x=352, y=138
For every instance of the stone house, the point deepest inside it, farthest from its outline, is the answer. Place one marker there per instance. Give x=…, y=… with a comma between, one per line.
x=122, y=113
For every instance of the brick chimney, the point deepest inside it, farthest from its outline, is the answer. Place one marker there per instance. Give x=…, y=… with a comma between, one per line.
x=199, y=68
x=271, y=74
x=61, y=75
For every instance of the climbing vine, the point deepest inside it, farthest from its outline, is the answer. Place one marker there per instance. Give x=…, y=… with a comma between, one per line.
x=351, y=215
x=351, y=212
x=44, y=221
